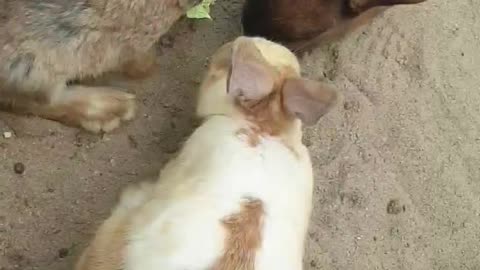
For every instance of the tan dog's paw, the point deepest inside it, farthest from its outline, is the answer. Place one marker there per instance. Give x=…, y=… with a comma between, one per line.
x=105, y=112
x=96, y=109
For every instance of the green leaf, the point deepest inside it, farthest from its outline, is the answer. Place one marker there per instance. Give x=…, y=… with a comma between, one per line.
x=201, y=11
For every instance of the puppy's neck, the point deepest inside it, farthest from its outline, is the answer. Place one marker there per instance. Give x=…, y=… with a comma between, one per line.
x=267, y=119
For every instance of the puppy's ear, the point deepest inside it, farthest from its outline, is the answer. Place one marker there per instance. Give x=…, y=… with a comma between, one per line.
x=363, y=5
x=308, y=100
x=251, y=76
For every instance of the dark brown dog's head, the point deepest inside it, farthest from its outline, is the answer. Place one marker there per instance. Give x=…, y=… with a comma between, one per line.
x=296, y=22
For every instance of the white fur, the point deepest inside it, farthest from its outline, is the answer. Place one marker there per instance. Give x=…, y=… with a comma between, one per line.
x=177, y=224
x=180, y=227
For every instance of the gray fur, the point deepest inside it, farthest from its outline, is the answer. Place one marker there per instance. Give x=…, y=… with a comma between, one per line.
x=21, y=66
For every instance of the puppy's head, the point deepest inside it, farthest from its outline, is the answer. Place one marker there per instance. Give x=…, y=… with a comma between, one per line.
x=258, y=80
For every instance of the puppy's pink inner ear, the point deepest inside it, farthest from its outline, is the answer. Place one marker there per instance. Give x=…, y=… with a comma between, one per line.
x=251, y=77
x=308, y=100
x=250, y=81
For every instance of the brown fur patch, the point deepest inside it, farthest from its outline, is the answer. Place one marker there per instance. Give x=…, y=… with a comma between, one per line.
x=250, y=135
x=106, y=252
x=244, y=237
x=268, y=116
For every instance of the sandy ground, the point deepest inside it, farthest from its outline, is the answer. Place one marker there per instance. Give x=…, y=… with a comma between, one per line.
x=397, y=162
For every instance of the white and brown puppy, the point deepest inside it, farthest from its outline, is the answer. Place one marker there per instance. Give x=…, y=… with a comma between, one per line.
x=239, y=193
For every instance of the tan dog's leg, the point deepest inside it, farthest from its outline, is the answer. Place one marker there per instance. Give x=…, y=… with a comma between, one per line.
x=141, y=65
x=96, y=109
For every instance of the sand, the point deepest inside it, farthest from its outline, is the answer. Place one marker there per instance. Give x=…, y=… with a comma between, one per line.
x=397, y=162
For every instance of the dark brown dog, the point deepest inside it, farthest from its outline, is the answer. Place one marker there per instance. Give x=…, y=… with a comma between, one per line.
x=299, y=24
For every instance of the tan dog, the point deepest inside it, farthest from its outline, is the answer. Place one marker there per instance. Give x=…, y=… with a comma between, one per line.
x=46, y=44
x=238, y=196
x=301, y=24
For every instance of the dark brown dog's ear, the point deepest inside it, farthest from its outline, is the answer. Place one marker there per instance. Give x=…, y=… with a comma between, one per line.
x=362, y=5
x=308, y=100
x=251, y=76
